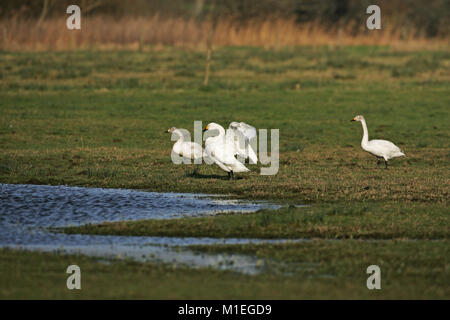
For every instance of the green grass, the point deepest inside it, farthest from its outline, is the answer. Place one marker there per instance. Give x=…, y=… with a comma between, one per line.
x=96, y=118
x=337, y=221
x=404, y=264
x=316, y=270
x=105, y=128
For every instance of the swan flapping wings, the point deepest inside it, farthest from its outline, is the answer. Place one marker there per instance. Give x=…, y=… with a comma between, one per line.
x=242, y=136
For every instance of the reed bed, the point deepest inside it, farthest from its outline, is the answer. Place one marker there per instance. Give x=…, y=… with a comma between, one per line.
x=105, y=32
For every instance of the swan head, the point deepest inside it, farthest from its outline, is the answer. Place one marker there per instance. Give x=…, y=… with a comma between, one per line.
x=170, y=130
x=358, y=118
x=234, y=125
x=214, y=126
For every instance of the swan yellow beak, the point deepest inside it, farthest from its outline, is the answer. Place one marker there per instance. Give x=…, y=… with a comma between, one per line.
x=167, y=131
x=354, y=119
x=206, y=128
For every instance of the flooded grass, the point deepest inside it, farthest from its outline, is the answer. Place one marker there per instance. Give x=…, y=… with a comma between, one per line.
x=29, y=212
x=314, y=270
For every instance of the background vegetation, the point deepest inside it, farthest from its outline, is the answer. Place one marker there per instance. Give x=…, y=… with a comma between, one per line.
x=40, y=25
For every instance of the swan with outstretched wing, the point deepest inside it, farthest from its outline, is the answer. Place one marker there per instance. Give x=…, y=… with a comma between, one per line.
x=223, y=148
x=241, y=135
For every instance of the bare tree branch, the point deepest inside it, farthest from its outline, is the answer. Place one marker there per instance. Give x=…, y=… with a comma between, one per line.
x=45, y=9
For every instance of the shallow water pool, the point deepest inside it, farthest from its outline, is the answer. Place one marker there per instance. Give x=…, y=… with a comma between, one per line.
x=26, y=211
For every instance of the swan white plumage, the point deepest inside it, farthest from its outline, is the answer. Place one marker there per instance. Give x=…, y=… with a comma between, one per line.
x=221, y=149
x=382, y=149
x=186, y=149
x=241, y=135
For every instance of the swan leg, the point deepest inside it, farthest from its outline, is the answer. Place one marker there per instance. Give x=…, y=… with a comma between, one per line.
x=385, y=164
x=231, y=175
x=378, y=162
x=195, y=170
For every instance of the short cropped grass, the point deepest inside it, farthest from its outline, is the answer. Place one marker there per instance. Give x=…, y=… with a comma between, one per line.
x=337, y=221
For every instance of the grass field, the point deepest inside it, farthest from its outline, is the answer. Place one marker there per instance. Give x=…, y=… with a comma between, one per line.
x=96, y=118
x=330, y=221
x=316, y=270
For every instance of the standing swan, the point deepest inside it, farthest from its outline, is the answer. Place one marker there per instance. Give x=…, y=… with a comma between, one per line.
x=379, y=148
x=222, y=151
x=186, y=149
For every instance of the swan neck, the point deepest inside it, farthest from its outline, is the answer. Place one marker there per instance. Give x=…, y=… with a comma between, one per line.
x=221, y=134
x=221, y=131
x=365, y=138
x=179, y=134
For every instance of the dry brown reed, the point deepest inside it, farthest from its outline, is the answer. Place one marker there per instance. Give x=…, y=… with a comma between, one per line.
x=105, y=32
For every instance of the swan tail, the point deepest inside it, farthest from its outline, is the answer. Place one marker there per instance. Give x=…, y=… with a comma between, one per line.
x=252, y=156
x=239, y=167
x=222, y=166
x=400, y=153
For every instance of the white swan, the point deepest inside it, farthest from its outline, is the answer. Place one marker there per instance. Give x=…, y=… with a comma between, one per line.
x=221, y=150
x=186, y=149
x=240, y=134
x=379, y=148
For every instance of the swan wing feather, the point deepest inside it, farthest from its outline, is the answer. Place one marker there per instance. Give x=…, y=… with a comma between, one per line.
x=239, y=135
x=384, y=148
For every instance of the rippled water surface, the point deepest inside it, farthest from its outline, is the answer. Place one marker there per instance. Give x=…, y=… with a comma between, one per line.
x=60, y=205
x=27, y=210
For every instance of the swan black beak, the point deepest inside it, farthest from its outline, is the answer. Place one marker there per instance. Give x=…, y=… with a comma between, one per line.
x=352, y=120
x=205, y=130
x=167, y=131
